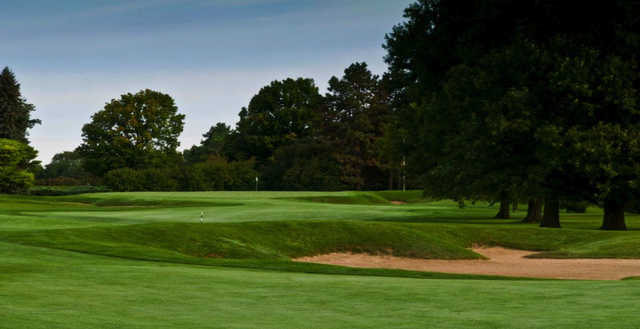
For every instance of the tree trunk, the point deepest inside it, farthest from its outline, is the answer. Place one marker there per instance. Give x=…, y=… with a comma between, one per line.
x=534, y=211
x=613, y=216
x=504, y=212
x=390, y=179
x=551, y=216
x=515, y=206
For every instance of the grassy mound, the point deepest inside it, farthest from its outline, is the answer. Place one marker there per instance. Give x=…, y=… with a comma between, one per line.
x=367, y=198
x=283, y=240
x=254, y=240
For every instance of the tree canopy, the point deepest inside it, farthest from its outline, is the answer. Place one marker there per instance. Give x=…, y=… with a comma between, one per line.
x=15, y=161
x=136, y=131
x=279, y=114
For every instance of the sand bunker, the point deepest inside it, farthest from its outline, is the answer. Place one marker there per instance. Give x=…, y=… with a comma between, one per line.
x=502, y=261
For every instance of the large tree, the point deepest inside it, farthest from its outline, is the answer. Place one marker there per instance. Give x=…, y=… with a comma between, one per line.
x=136, y=131
x=280, y=114
x=353, y=121
x=15, y=112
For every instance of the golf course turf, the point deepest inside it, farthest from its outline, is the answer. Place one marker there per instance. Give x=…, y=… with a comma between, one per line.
x=144, y=260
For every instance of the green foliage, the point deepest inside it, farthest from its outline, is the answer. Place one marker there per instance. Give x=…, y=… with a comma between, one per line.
x=65, y=164
x=136, y=131
x=15, y=160
x=66, y=190
x=213, y=174
x=242, y=174
x=304, y=166
x=353, y=124
x=300, y=140
x=213, y=144
x=66, y=168
x=279, y=114
x=15, y=112
x=527, y=102
x=152, y=179
x=125, y=179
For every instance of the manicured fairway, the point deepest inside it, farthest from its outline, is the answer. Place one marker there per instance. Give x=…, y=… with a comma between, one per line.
x=142, y=260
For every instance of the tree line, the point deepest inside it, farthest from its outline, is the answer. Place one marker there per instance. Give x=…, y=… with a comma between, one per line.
x=511, y=101
x=289, y=136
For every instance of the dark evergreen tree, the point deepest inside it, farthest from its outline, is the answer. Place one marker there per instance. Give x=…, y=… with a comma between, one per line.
x=353, y=121
x=15, y=112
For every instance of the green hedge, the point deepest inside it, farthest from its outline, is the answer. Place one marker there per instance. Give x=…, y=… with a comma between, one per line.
x=67, y=190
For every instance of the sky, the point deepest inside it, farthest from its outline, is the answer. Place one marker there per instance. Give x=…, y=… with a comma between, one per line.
x=211, y=56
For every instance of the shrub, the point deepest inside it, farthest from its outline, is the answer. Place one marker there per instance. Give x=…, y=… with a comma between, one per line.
x=124, y=180
x=67, y=190
x=216, y=173
x=15, y=161
x=243, y=176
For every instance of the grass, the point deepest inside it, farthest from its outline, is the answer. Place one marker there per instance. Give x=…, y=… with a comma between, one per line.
x=143, y=260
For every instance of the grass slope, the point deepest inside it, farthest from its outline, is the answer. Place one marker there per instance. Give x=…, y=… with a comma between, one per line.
x=142, y=260
x=54, y=289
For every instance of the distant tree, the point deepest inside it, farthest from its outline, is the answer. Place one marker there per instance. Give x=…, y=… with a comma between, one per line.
x=15, y=161
x=213, y=144
x=308, y=165
x=353, y=122
x=215, y=173
x=242, y=174
x=125, y=180
x=136, y=131
x=279, y=114
x=65, y=164
x=15, y=112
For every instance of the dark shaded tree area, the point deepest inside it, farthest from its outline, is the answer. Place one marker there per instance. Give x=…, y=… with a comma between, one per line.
x=66, y=168
x=514, y=100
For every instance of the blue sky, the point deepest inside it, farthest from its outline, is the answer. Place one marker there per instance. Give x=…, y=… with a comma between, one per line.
x=210, y=55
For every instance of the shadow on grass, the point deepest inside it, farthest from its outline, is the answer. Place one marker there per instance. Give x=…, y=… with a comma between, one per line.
x=447, y=220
